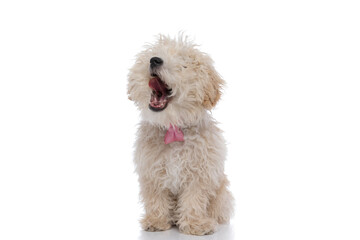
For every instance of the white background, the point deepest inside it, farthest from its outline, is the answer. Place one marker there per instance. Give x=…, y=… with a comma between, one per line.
x=290, y=112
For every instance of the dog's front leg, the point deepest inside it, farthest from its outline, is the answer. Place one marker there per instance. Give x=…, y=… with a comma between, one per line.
x=158, y=205
x=193, y=216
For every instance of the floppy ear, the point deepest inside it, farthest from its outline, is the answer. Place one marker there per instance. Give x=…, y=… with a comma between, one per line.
x=129, y=92
x=130, y=86
x=212, y=89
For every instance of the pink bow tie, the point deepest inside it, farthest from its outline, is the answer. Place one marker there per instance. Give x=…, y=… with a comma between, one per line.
x=173, y=134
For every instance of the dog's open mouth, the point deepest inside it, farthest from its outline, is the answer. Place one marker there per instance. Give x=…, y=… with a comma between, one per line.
x=160, y=95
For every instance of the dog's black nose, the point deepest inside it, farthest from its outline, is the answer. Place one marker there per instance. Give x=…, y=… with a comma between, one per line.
x=156, y=61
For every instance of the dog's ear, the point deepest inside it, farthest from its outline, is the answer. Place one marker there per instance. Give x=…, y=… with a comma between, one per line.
x=129, y=93
x=129, y=87
x=212, y=89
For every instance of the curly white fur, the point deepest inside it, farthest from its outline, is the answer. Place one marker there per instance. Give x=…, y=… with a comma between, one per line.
x=181, y=183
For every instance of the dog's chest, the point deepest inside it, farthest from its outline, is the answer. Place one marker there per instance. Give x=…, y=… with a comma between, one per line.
x=175, y=160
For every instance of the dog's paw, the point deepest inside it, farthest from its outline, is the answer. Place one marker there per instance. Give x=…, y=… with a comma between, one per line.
x=198, y=227
x=154, y=224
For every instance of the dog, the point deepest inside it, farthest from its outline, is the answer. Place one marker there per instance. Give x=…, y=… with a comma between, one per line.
x=179, y=151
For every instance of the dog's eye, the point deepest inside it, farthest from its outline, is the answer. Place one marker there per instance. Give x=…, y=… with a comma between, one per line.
x=184, y=66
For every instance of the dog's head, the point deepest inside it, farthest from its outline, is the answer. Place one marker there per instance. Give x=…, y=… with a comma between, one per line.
x=172, y=82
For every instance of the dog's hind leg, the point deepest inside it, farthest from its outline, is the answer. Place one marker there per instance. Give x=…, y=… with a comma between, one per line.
x=221, y=206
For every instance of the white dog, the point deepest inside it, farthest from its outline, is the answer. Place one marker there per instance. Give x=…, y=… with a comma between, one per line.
x=180, y=151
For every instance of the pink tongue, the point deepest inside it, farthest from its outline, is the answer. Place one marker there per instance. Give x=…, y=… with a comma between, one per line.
x=157, y=85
